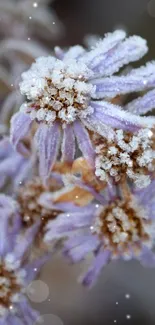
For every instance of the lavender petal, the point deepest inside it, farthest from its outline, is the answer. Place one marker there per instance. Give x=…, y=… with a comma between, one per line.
x=48, y=140
x=20, y=125
x=84, y=142
x=68, y=144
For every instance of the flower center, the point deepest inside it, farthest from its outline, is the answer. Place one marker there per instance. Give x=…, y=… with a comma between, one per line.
x=62, y=93
x=11, y=285
x=128, y=154
x=30, y=209
x=121, y=224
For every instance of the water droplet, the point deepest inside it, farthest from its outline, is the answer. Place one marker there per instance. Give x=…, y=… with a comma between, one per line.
x=35, y=4
x=76, y=197
x=35, y=269
x=29, y=38
x=37, y=291
x=116, y=302
x=49, y=319
x=11, y=85
x=30, y=17
x=115, y=321
x=53, y=22
x=127, y=296
x=97, y=205
x=128, y=316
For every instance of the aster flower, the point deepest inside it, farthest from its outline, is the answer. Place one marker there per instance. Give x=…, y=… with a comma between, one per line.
x=70, y=94
x=14, y=167
x=122, y=227
x=16, y=271
x=39, y=203
x=128, y=155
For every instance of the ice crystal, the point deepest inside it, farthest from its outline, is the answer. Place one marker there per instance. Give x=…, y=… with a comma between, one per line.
x=128, y=155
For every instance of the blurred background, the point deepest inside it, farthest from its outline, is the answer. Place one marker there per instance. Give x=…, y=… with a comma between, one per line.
x=125, y=292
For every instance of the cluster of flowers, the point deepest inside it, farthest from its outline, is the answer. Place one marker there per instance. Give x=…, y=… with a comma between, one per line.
x=78, y=169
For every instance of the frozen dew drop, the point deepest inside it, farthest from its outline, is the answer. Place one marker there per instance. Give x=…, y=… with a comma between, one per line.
x=96, y=206
x=49, y=319
x=35, y=4
x=127, y=296
x=37, y=291
x=128, y=316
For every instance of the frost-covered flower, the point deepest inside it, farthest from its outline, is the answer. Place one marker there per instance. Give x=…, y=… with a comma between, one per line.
x=69, y=95
x=121, y=227
x=128, y=155
x=39, y=203
x=16, y=271
x=14, y=167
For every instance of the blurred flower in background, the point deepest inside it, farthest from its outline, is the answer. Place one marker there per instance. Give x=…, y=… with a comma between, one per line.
x=27, y=29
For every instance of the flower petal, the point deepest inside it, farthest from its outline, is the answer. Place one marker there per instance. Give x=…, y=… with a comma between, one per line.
x=91, y=276
x=117, y=85
x=121, y=53
x=20, y=125
x=84, y=142
x=117, y=117
x=147, y=257
x=103, y=47
x=142, y=105
x=80, y=250
x=48, y=141
x=74, y=52
x=68, y=144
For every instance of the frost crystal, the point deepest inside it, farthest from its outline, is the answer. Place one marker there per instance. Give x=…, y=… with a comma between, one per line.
x=131, y=155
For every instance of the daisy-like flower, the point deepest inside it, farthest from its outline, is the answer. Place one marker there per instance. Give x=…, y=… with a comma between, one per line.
x=69, y=94
x=122, y=227
x=128, y=155
x=39, y=203
x=14, y=167
x=16, y=271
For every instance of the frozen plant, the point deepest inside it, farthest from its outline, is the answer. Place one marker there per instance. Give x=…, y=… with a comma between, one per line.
x=69, y=96
x=121, y=227
x=16, y=272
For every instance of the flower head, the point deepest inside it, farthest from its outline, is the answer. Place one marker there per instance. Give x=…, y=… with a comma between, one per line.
x=16, y=271
x=68, y=95
x=128, y=155
x=122, y=227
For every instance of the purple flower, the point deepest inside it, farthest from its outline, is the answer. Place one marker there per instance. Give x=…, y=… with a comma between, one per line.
x=123, y=227
x=39, y=203
x=16, y=271
x=70, y=95
x=14, y=167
